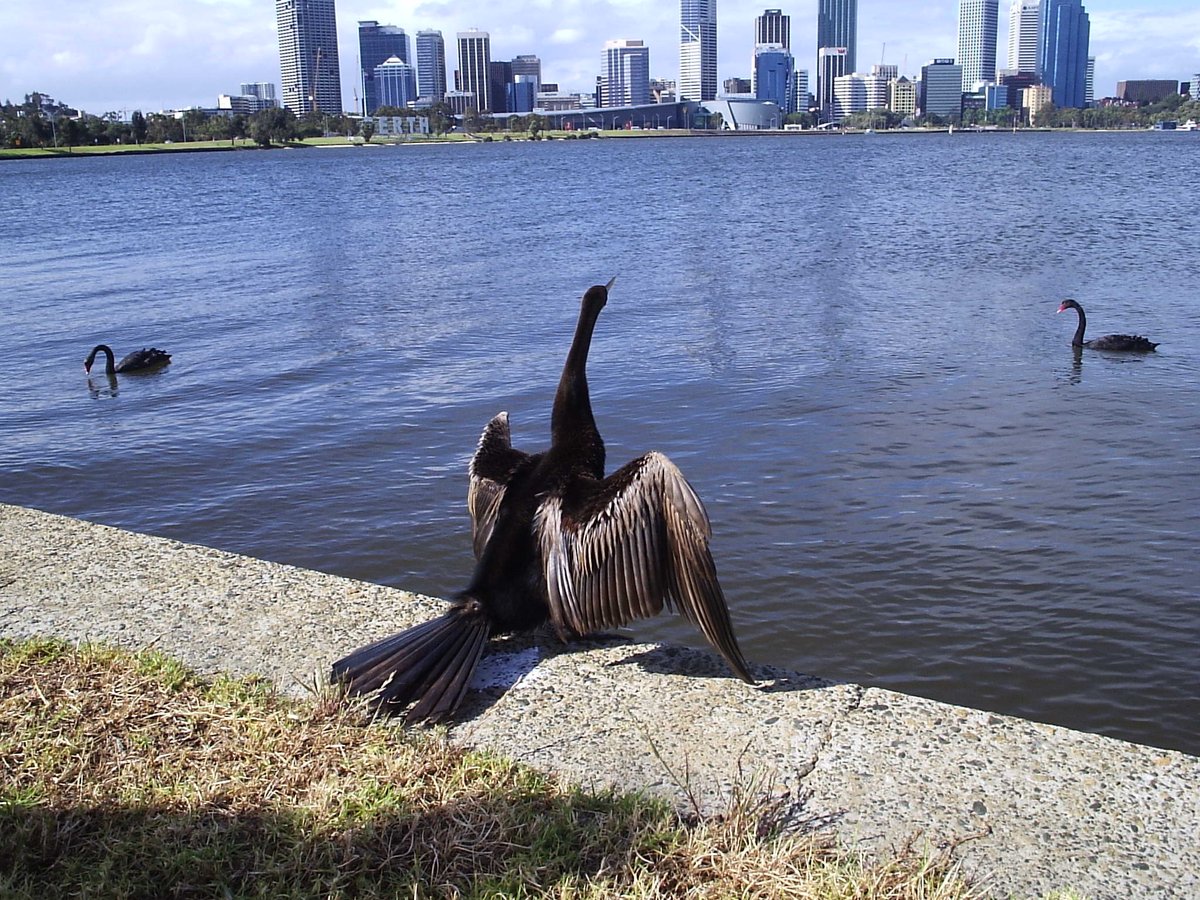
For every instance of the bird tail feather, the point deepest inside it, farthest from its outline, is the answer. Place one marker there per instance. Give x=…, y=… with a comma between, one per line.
x=429, y=666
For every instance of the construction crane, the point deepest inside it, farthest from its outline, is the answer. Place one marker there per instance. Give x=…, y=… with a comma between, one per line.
x=312, y=83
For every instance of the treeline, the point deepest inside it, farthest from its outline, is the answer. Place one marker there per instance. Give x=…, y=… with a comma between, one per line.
x=1176, y=107
x=40, y=121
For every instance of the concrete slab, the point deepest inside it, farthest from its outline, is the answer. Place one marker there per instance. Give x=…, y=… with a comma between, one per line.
x=1036, y=807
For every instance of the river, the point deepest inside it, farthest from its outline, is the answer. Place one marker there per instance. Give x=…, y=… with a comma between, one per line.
x=848, y=344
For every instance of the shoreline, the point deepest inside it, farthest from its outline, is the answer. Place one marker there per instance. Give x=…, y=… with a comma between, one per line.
x=522, y=137
x=1037, y=807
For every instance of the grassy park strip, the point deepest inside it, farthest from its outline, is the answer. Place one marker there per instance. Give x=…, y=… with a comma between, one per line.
x=125, y=774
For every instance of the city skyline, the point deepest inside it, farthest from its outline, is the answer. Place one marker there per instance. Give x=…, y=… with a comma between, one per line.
x=149, y=54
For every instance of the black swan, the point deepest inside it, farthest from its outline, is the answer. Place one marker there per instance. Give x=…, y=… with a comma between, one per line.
x=555, y=541
x=1129, y=343
x=144, y=360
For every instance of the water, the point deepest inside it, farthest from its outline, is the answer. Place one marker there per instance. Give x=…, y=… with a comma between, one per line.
x=849, y=345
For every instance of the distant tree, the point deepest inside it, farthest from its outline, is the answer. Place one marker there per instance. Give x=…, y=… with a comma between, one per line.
x=472, y=121
x=137, y=126
x=441, y=117
x=312, y=125
x=116, y=132
x=194, y=124
x=273, y=126
x=161, y=128
x=69, y=132
x=239, y=128
x=367, y=130
x=535, y=124
x=873, y=118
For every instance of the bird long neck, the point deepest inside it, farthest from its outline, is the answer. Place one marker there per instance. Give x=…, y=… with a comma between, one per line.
x=572, y=404
x=1077, y=341
x=571, y=420
x=110, y=367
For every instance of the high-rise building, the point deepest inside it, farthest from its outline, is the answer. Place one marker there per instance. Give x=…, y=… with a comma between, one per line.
x=529, y=67
x=1024, y=33
x=460, y=101
x=431, y=65
x=803, y=99
x=1064, y=51
x=902, y=96
x=308, y=56
x=1034, y=98
x=378, y=44
x=395, y=83
x=626, y=78
x=977, y=21
x=941, y=89
x=253, y=97
x=849, y=96
x=500, y=73
x=698, y=49
x=1196, y=86
x=475, y=67
x=831, y=65
x=1146, y=90
x=995, y=96
x=879, y=83
x=262, y=91
x=1089, y=92
x=773, y=27
x=837, y=26
x=855, y=93
x=521, y=94
x=775, y=76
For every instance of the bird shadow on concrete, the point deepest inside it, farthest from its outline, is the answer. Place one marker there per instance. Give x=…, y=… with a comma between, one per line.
x=673, y=659
x=512, y=658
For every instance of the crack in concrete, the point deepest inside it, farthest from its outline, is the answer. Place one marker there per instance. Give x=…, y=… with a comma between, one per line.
x=857, y=691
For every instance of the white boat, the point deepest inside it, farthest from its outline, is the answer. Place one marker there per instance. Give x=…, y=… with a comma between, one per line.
x=1189, y=125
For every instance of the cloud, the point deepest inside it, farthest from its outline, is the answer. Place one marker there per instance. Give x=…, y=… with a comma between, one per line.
x=566, y=36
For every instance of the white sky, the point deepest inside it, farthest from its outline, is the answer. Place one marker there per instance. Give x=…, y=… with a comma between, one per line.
x=102, y=55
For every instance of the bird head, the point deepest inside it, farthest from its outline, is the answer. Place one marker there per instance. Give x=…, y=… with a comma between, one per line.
x=1067, y=304
x=597, y=295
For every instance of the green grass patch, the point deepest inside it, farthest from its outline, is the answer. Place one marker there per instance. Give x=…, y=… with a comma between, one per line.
x=129, y=775
x=118, y=149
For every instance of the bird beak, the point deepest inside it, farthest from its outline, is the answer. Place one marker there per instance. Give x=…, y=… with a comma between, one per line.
x=608, y=287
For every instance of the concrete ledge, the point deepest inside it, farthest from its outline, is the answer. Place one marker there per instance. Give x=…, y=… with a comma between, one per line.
x=1042, y=807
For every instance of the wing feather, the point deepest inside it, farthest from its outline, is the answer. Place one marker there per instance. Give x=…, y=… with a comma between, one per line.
x=489, y=472
x=628, y=545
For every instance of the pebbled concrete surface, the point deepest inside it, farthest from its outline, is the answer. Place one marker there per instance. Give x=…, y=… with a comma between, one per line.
x=1038, y=807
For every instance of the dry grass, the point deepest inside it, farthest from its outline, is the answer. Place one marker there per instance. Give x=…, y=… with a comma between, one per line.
x=128, y=775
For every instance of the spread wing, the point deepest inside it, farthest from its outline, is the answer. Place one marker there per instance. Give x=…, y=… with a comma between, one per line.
x=490, y=470
x=622, y=550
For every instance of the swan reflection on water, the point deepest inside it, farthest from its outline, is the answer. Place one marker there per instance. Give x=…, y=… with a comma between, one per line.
x=96, y=391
